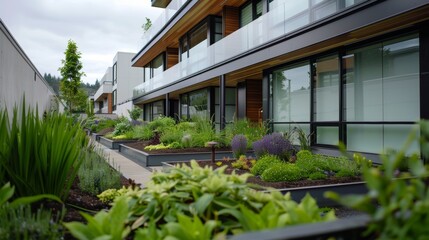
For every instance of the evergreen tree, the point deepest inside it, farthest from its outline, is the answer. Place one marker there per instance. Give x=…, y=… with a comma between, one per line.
x=70, y=86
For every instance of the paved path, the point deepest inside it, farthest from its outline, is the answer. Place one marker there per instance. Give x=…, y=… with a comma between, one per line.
x=127, y=167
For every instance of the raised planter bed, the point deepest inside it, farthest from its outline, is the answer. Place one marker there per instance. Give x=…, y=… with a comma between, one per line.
x=148, y=160
x=316, y=191
x=96, y=136
x=112, y=144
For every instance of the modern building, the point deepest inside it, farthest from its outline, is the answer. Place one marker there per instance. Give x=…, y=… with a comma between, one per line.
x=116, y=87
x=103, y=100
x=355, y=71
x=19, y=77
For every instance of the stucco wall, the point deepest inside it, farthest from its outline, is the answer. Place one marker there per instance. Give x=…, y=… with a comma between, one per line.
x=19, y=77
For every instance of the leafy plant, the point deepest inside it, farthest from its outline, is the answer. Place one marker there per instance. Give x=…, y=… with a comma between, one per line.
x=104, y=225
x=239, y=145
x=274, y=144
x=18, y=221
x=40, y=156
x=264, y=163
x=397, y=204
x=198, y=203
x=135, y=113
x=244, y=163
x=96, y=175
x=122, y=127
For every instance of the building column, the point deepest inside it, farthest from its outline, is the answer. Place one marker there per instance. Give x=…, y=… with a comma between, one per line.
x=424, y=81
x=265, y=96
x=222, y=101
x=167, y=105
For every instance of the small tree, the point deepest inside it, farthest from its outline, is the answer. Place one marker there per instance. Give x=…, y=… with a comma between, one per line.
x=147, y=25
x=71, y=73
x=135, y=113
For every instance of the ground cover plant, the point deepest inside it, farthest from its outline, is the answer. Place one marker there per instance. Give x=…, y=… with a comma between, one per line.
x=191, y=202
x=397, y=201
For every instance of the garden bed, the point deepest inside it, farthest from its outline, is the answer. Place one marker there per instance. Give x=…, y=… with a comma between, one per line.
x=298, y=189
x=112, y=144
x=135, y=151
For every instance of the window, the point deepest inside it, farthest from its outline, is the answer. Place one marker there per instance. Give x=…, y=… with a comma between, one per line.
x=114, y=99
x=153, y=110
x=115, y=73
x=195, y=42
x=250, y=11
x=195, y=103
x=381, y=94
x=290, y=98
x=155, y=67
x=230, y=105
x=370, y=108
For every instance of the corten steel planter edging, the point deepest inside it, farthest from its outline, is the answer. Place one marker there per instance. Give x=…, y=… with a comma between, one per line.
x=149, y=160
x=316, y=191
x=112, y=144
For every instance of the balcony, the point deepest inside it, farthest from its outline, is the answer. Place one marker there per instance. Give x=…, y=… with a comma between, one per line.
x=160, y=3
x=163, y=19
x=104, y=89
x=280, y=20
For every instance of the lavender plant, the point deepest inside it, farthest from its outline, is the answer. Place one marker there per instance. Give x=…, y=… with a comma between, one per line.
x=273, y=144
x=239, y=145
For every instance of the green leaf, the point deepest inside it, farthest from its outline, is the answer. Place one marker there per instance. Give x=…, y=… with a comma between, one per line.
x=203, y=202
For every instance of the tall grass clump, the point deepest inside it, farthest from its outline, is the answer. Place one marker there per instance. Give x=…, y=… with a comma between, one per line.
x=96, y=175
x=40, y=156
x=253, y=131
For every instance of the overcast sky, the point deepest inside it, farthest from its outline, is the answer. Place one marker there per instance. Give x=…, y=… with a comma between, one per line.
x=100, y=28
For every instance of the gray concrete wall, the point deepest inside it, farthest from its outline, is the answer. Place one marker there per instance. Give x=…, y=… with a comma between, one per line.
x=19, y=77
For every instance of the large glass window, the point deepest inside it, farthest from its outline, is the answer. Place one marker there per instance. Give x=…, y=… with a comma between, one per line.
x=250, y=11
x=115, y=73
x=158, y=65
x=381, y=85
x=195, y=104
x=153, y=110
x=380, y=96
x=230, y=105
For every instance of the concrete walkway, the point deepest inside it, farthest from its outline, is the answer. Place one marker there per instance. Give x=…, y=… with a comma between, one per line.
x=127, y=167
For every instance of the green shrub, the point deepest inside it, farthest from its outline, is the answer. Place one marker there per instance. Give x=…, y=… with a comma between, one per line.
x=103, y=124
x=96, y=175
x=161, y=123
x=135, y=113
x=142, y=132
x=121, y=128
x=264, y=163
x=317, y=176
x=40, y=156
x=287, y=172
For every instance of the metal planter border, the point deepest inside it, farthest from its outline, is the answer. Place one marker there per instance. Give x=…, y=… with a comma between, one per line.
x=149, y=160
x=112, y=144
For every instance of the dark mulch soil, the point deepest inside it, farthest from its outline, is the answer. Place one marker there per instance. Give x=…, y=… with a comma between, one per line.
x=257, y=180
x=140, y=145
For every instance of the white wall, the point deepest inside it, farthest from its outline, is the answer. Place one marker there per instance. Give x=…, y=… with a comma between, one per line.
x=19, y=77
x=128, y=78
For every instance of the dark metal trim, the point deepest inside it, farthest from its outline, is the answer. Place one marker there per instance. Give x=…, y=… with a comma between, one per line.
x=222, y=79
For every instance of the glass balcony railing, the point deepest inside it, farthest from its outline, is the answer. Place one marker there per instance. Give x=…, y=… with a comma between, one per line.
x=162, y=20
x=286, y=17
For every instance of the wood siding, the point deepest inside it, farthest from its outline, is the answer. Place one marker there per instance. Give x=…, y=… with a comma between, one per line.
x=231, y=21
x=172, y=57
x=254, y=100
x=109, y=103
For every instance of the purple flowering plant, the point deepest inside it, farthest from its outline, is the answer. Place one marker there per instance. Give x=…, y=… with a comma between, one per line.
x=239, y=145
x=274, y=144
